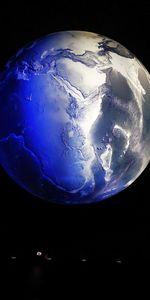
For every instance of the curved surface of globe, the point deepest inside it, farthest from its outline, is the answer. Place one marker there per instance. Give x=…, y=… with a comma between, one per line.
x=74, y=117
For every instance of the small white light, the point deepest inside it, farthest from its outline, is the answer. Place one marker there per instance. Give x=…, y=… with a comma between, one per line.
x=38, y=253
x=83, y=259
x=119, y=261
x=48, y=258
x=13, y=257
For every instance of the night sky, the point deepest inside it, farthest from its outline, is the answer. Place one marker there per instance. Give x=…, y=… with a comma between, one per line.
x=114, y=231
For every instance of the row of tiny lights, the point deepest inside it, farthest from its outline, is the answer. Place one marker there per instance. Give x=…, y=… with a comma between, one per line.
x=38, y=253
x=46, y=257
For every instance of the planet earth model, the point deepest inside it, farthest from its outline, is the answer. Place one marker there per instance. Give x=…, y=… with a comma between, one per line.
x=74, y=117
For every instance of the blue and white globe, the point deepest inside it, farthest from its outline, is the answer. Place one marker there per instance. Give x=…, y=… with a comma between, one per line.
x=74, y=117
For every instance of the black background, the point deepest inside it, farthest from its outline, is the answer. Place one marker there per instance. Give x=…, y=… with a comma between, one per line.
x=114, y=231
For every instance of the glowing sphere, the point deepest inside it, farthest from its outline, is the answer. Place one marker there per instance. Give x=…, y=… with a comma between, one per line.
x=74, y=117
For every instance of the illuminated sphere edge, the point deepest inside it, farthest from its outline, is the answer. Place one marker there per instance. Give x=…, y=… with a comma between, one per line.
x=74, y=117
